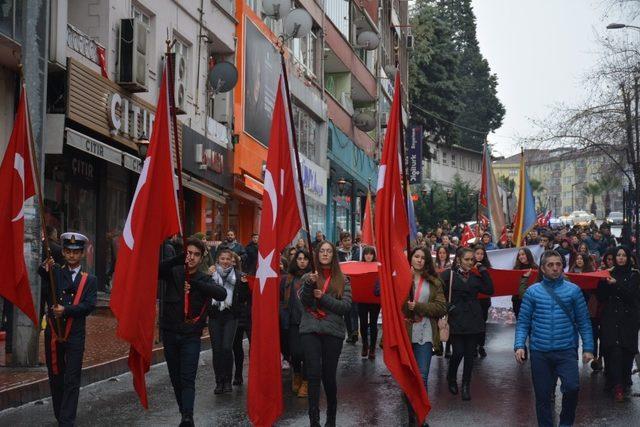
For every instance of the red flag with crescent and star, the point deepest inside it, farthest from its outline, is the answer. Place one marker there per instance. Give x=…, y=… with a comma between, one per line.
x=153, y=216
x=16, y=187
x=392, y=228
x=280, y=222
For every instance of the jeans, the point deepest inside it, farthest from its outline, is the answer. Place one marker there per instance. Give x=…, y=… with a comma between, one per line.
x=238, y=350
x=321, y=354
x=222, y=331
x=423, y=353
x=368, y=314
x=182, y=353
x=464, y=346
x=546, y=367
x=297, y=350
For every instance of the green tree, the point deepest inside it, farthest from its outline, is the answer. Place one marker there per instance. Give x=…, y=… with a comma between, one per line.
x=592, y=190
x=537, y=189
x=607, y=183
x=456, y=204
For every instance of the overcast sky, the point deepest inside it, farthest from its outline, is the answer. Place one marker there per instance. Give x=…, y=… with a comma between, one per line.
x=540, y=50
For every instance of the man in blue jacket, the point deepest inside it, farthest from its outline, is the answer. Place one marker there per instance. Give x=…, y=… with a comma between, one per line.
x=552, y=314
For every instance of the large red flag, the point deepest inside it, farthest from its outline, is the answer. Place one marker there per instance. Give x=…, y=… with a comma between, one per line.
x=16, y=186
x=153, y=216
x=280, y=222
x=391, y=230
x=467, y=234
x=367, y=223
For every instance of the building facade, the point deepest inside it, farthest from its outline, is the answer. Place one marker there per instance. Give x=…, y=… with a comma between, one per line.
x=564, y=174
x=446, y=162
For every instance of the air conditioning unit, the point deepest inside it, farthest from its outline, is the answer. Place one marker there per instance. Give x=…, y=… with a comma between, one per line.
x=410, y=41
x=132, y=61
x=221, y=107
x=180, y=82
x=347, y=102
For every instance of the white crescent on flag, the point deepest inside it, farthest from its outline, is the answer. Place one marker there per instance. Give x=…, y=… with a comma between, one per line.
x=127, y=234
x=270, y=189
x=18, y=165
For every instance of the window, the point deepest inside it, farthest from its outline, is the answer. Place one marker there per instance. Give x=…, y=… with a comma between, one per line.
x=147, y=18
x=307, y=132
x=470, y=165
x=304, y=52
x=444, y=158
x=140, y=15
x=453, y=159
x=462, y=163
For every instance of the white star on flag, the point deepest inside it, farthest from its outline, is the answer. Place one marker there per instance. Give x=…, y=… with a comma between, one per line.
x=265, y=272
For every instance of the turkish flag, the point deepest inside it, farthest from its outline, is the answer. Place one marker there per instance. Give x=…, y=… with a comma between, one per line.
x=280, y=222
x=153, y=216
x=467, y=234
x=392, y=229
x=367, y=223
x=16, y=187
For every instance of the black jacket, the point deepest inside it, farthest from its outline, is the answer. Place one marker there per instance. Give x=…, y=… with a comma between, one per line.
x=620, y=316
x=240, y=306
x=352, y=255
x=203, y=289
x=291, y=308
x=65, y=293
x=251, y=259
x=465, y=311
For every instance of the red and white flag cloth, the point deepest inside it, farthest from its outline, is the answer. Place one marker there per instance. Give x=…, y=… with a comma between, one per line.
x=367, y=223
x=467, y=234
x=17, y=185
x=392, y=229
x=153, y=216
x=280, y=222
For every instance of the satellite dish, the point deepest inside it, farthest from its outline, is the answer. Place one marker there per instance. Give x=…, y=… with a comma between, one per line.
x=390, y=70
x=368, y=40
x=223, y=77
x=276, y=8
x=297, y=23
x=364, y=121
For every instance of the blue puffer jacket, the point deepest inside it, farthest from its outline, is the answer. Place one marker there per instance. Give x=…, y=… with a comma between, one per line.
x=546, y=324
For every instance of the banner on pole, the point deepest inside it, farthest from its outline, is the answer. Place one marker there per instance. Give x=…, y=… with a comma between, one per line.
x=414, y=154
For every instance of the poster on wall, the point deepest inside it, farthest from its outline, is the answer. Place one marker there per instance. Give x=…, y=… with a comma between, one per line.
x=261, y=70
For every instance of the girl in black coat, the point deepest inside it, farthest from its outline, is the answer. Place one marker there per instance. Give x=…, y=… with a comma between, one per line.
x=480, y=255
x=619, y=322
x=465, y=315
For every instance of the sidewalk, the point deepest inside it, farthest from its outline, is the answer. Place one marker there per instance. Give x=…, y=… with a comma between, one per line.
x=105, y=356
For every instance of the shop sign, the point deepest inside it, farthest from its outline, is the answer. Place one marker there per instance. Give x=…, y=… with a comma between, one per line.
x=82, y=168
x=314, y=180
x=81, y=43
x=213, y=160
x=128, y=117
x=96, y=148
x=132, y=163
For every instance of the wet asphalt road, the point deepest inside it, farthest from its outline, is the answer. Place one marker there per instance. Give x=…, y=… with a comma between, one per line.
x=501, y=390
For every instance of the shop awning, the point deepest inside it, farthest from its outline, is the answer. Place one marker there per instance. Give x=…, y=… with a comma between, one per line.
x=203, y=188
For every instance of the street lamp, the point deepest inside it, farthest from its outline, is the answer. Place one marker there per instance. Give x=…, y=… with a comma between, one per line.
x=143, y=146
x=617, y=26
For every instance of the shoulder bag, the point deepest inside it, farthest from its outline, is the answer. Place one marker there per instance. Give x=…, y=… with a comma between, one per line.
x=443, y=322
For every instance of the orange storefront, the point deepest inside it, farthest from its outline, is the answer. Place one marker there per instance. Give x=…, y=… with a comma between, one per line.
x=258, y=63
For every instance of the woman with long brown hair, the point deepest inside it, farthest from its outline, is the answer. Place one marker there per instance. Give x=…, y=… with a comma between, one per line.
x=524, y=261
x=290, y=316
x=443, y=260
x=326, y=297
x=422, y=309
x=480, y=255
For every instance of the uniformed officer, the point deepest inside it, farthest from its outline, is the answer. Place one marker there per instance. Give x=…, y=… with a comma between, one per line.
x=75, y=299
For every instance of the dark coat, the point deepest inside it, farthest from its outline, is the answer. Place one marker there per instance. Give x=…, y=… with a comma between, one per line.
x=203, y=289
x=291, y=307
x=251, y=260
x=465, y=311
x=65, y=293
x=620, y=315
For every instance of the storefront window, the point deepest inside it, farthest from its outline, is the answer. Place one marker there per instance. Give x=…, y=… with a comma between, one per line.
x=317, y=216
x=117, y=208
x=307, y=132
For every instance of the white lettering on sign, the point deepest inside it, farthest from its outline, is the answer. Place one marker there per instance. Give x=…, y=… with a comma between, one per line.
x=91, y=146
x=124, y=114
x=314, y=180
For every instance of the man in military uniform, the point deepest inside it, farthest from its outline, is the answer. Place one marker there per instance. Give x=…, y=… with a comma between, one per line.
x=75, y=299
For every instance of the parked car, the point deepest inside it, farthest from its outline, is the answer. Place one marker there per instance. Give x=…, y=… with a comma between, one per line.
x=566, y=220
x=615, y=218
x=582, y=217
x=555, y=223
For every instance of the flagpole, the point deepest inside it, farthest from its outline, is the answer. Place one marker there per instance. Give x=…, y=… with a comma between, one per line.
x=174, y=131
x=297, y=156
x=405, y=183
x=38, y=187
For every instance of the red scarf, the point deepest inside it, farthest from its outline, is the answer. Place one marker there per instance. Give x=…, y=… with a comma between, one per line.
x=317, y=312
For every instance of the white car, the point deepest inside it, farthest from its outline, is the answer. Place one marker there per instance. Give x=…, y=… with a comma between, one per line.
x=582, y=217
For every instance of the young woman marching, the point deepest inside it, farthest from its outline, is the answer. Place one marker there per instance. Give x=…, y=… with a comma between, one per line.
x=480, y=255
x=368, y=313
x=465, y=315
x=443, y=261
x=524, y=261
x=422, y=310
x=326, y=297
x=223, y=318
x=291, y=314
x=619, y=324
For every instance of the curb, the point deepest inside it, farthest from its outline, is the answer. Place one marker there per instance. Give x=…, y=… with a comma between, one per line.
x=36, y=390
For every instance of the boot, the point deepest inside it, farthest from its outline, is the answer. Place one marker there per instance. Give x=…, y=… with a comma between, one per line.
x=314, y=416
x=453, y=385
x=238, y=380
x=296, y=381
x=303, y=391
x=226, y=386
x=219, y=388
x=482, y=352
x=372, y=353
x=187, y=420
x=331, y=415
x=466, y=391
x=365, y=349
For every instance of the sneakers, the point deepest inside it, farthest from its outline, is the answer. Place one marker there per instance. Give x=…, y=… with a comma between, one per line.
x=303, y=391
x=365, y=350
x=296, y=381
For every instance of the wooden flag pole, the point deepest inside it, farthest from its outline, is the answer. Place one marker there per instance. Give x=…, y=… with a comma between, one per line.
x=36, y=172
x=174, y=132
x=297, y=157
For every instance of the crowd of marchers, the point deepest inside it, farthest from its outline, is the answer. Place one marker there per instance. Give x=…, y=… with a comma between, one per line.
x=555, y=318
